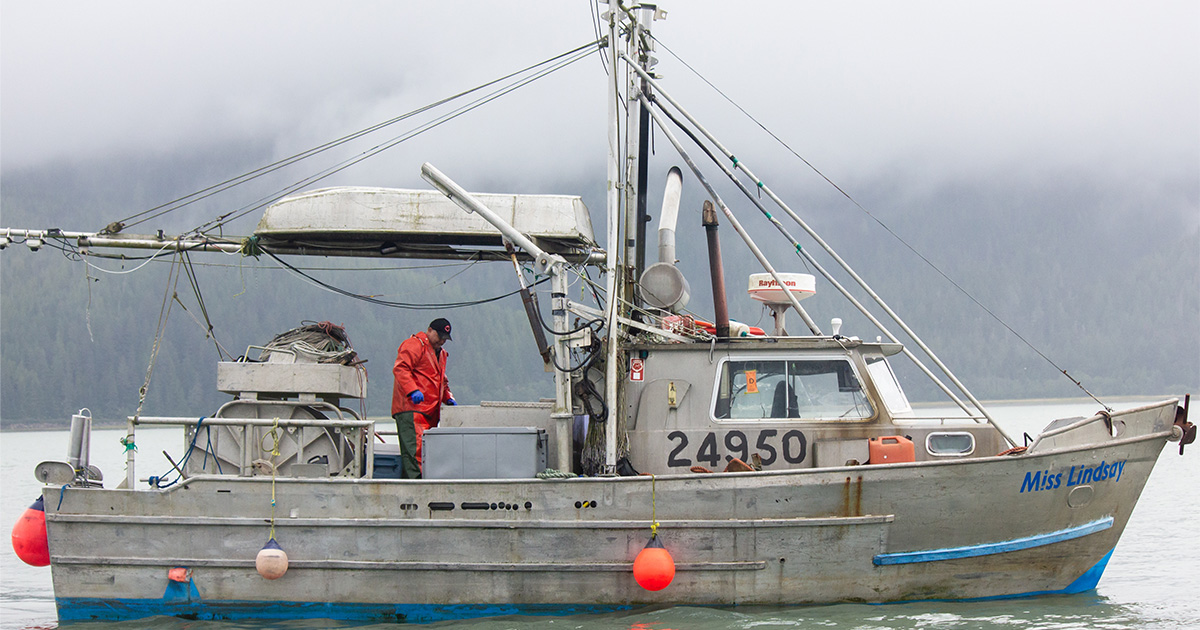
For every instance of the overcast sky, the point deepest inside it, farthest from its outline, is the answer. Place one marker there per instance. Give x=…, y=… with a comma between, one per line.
x=956, y=86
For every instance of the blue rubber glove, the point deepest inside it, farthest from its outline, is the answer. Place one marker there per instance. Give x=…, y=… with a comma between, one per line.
x=451, y=403
x=416, y=396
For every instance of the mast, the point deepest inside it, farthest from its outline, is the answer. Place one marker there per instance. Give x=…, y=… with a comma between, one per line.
x=613, y=284
x=627, y=174
x=641, y=47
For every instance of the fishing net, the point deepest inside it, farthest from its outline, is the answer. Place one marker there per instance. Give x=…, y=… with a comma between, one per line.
x=324, y=342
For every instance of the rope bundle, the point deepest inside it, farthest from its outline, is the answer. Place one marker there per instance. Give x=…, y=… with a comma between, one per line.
x=326, y=341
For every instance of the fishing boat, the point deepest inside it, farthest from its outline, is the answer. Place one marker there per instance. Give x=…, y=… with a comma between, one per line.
x=681, y=461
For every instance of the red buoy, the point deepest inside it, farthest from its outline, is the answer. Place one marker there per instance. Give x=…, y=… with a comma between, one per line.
x=29, y=536
x=654, y=568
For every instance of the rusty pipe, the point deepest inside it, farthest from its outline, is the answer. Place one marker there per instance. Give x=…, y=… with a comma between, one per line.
x=716, y=270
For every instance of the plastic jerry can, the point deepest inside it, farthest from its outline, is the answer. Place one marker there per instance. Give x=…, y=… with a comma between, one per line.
x=889, y=449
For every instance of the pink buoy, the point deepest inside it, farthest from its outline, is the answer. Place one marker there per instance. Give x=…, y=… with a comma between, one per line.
x=271, y=562
x=29, y=536
x=654, y=568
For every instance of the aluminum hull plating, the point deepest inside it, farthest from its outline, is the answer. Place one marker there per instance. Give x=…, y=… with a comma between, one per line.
x=378, y=549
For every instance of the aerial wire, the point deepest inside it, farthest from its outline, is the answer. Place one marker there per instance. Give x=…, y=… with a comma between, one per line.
x=882, y=224
x=390, y=303
x=245, y=177
x=379, y=148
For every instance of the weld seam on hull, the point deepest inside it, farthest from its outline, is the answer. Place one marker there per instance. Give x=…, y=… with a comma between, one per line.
x=193, y=521
x=740, y=565
x=987, y=549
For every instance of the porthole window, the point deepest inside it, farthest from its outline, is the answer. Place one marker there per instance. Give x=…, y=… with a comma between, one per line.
x=950, y=444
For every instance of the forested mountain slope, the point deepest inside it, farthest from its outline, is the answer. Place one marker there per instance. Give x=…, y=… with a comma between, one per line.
x=1101, y=276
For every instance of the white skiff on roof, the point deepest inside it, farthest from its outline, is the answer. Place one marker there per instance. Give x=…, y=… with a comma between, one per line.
x=560, y=223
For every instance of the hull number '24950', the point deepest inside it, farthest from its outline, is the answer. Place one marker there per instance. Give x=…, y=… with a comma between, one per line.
x=714, y=451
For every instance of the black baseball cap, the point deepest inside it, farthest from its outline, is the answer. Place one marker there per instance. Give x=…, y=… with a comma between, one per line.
x=442, y=326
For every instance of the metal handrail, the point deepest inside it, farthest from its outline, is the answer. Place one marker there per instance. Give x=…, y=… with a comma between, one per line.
x=364, y=428
x=296, y=422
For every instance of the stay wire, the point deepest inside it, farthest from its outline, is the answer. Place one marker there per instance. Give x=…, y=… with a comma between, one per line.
x=341, y=166
x=598, y=31
x=733, y=177
x=204, y=193
x=163, y=313
x=220, y=221
x=74, y=256
x=889, y=230
x=389, y=303
x=194, y=281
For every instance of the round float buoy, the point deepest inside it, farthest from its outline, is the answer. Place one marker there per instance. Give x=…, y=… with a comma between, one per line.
x=654, y=568
x=29, y=536
x=271, y=562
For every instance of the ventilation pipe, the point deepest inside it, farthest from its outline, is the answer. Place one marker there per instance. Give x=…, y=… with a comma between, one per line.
x=663, y=285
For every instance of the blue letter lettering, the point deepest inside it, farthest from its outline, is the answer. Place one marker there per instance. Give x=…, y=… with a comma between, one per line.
x=1031, y=481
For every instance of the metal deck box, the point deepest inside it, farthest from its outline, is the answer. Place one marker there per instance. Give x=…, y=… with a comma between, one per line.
x=387, y=463
x=483, y=452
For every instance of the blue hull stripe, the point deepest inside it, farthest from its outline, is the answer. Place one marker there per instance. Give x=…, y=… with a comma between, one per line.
x=987, y=549
x=183, y=601
x=72, y=609
x=1085, y=582
x=76, y=609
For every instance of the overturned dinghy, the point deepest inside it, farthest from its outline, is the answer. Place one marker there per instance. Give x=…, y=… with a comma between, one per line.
x=423, y=223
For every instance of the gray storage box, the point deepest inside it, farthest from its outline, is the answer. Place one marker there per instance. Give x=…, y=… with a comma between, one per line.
x=387, y=461
x=483, y=452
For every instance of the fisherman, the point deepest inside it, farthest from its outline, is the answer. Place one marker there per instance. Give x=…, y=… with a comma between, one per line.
x=420, y=390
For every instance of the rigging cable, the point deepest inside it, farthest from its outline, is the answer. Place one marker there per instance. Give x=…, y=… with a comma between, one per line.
x=884, y=226
x=389, y=303
x=163, y=313
x=156, y=257
x=343, y=165
x=207, y=325
x=733, y=177
x=188, y=199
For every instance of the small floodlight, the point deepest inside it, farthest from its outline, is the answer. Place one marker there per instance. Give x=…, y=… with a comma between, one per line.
x=33, y=244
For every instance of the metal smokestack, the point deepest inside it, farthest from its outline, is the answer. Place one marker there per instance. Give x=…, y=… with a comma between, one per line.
x=716, y=270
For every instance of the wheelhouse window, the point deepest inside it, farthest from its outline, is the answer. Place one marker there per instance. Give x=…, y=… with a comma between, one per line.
x=797, y=388
x=889, y=388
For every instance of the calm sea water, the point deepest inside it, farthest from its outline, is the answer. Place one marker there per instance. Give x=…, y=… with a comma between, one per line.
x=1150, y=582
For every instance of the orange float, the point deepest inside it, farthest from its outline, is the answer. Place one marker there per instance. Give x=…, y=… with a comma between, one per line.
x=654, y=568
x=29, y=536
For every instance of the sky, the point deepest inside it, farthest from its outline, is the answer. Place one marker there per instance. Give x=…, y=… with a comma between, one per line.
x=929, y=93
x=954, y=88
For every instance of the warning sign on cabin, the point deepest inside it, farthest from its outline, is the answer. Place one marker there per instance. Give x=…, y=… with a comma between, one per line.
x=637, y=369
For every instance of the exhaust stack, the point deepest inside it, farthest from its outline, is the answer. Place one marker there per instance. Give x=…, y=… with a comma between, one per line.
x=716, y=270
x=663, y=285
